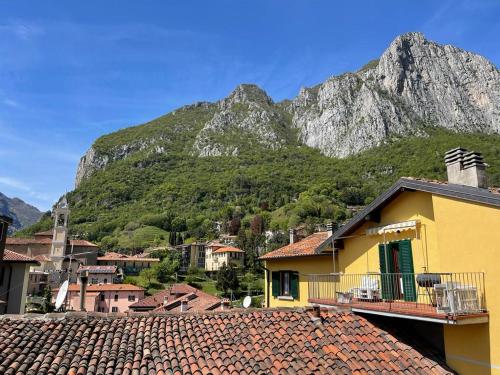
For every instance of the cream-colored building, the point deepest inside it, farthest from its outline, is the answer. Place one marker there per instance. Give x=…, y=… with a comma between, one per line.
x=218, y=254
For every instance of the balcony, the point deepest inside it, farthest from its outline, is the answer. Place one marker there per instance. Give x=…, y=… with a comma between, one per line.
x=449, y=298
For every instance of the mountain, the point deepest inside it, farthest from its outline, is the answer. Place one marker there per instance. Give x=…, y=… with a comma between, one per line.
x=416, y=83
x=304, y=160
x=23, y=214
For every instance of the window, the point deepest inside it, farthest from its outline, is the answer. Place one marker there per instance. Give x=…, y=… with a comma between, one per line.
x=116, y=297
x=102, y=297
x=105, y=281
x=94, y=281
x=285, y=284
x=114, y=309
x=131, y=298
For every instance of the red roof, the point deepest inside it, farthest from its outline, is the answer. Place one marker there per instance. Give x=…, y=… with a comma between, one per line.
x=228, y=249
x=98, y=269
x=27, y=241
x=233, y=342
x=45, y=241
x=171, y=294
x=105, y=288
x=307, y=246
x=196, y=301
x=13, y=257
x=112, y=256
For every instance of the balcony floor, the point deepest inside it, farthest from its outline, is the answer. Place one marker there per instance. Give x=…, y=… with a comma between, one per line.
x=406, y=310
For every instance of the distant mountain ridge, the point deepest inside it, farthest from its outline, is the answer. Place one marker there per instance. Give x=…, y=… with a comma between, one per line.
x=22, y=214
x=416, y=83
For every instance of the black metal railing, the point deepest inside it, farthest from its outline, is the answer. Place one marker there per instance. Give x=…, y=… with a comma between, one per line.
x=441, y=293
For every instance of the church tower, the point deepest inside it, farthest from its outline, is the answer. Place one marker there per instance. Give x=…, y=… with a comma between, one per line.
x=60, y=234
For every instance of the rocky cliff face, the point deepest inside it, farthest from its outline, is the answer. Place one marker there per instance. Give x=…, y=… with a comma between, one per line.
x=415, y=83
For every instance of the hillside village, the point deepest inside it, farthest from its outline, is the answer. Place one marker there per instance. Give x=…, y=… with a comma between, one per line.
x=339, y=214
x=399, y=257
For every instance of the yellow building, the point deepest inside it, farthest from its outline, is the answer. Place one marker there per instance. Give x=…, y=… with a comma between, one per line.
x=421, y=256
x=287, y=269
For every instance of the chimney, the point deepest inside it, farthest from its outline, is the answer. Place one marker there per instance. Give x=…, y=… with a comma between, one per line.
x=466, y=168
x=330, y=228
x=225, y=304
x=184, y=305
x=84, y=278
x=292, y=235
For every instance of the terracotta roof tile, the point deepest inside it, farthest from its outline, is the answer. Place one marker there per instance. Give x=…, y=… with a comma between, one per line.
x=104, y=287
x=228, y=249
x=201, y=343
x=13, y=257
x=98, y=269
x=307, y=246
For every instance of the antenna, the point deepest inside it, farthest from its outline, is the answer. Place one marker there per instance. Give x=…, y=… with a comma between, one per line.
x=61, y=295
x=247, y=301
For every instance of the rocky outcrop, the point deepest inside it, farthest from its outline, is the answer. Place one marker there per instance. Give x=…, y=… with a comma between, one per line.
x=416, y=83
x=247, y=114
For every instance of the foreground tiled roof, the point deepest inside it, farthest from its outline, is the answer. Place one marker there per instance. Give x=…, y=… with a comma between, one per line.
x=13, y=257
x=307, y=246
x=98, y=269
x=249, y=342
x=228, y=249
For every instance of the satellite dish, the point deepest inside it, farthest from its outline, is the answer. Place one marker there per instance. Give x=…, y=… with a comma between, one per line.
x=61, y=295
x=247, y=301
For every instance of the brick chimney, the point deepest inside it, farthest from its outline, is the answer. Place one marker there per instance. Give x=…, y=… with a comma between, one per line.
x=466, y=168
x=225, y=304
x=84, y=278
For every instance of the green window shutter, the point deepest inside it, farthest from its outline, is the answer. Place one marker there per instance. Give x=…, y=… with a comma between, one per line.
x=385, y=279
x=275, y=284
x=294, y=285
x=406, y=266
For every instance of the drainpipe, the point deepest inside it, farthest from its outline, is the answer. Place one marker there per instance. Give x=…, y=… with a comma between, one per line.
x=8, y=290
x=268, y=274
x=84, y=277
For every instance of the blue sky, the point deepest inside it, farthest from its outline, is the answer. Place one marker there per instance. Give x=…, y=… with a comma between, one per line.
x=72, y=71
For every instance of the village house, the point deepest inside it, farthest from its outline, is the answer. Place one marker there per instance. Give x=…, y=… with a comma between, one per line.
x=37, y=282
x=14, y=274
x=178, y=298
x=192, y=255
x=422, y=252
x=106, y=298
x=128, y=264
x=100, y=274
x=218, y=254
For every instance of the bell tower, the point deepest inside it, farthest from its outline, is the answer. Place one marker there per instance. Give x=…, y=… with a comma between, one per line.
x=60, y=233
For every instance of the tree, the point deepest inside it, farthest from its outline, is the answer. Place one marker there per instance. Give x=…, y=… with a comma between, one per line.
x=257, y=225
x=48, y=306
x=234, y=226
x=148, y=274
x=166, y=269
x=227, y=279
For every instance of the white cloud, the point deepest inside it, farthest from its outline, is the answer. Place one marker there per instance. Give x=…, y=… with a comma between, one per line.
x=20, y=185
x=11, y=103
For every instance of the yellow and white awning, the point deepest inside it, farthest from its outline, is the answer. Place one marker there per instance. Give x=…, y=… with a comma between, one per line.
x=393, y=228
